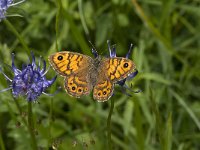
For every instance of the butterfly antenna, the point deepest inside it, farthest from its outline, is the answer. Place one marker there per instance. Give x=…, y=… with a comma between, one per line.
x=94, y=51
x=129, y=51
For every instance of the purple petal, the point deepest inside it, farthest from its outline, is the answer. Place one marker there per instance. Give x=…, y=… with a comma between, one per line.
x=49, y=82
x=46, y=71
x=121, y=82
x=108, y=42
x=15, y=70
x=52, y=80
x=44, y=68
x=5, y=75
x=94, y=52
x=38, y=68
x=33, y=60
x=2, y=14
x=111, y=51
x=133, y=74
x=5, y=89
x=129, y=51
x=23, y=66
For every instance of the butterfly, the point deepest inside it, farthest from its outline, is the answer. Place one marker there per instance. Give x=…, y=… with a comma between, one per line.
x=82, y=73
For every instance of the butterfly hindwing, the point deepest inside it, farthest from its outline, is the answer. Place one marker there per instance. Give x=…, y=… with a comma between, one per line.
x=103, y=89
x=77, y=85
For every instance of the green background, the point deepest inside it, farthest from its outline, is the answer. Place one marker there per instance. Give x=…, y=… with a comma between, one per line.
x=166, y=39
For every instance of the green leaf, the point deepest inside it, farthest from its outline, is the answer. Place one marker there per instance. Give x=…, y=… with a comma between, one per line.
x=128, y=116
x=168, y=133
x=154, y=77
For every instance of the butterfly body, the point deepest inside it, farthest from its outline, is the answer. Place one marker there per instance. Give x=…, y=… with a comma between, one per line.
x=83, y=74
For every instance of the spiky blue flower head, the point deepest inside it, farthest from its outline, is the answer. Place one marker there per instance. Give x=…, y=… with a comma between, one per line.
x=4, y=5
x=29, y=82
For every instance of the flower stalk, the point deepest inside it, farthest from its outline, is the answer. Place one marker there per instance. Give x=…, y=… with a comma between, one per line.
x=109, y=132
x=2, y=145
x=31, y=126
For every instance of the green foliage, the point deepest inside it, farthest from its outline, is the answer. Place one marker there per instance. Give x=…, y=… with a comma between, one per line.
x=165, y=115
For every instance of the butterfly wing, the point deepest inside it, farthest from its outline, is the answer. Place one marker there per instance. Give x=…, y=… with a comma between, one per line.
x=119, y=68
x=103, y=90
x=111, y=70
x=75, y=68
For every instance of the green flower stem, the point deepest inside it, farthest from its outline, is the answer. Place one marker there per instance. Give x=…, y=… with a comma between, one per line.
x=50, y=121
x=20, y=38
x=2, y=146
x=109, y=124
x=20, y=112
x=31, y=126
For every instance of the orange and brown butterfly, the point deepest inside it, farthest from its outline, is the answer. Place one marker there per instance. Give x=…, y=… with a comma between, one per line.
x=82, y=74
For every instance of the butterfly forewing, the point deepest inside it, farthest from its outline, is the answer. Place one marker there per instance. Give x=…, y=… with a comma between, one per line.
x=118, y=68
x=75, y=68
x=110, y=71
x=67, y=63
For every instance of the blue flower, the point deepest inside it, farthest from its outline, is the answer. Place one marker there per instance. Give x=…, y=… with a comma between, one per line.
x=4, y=5
x=30, y=81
